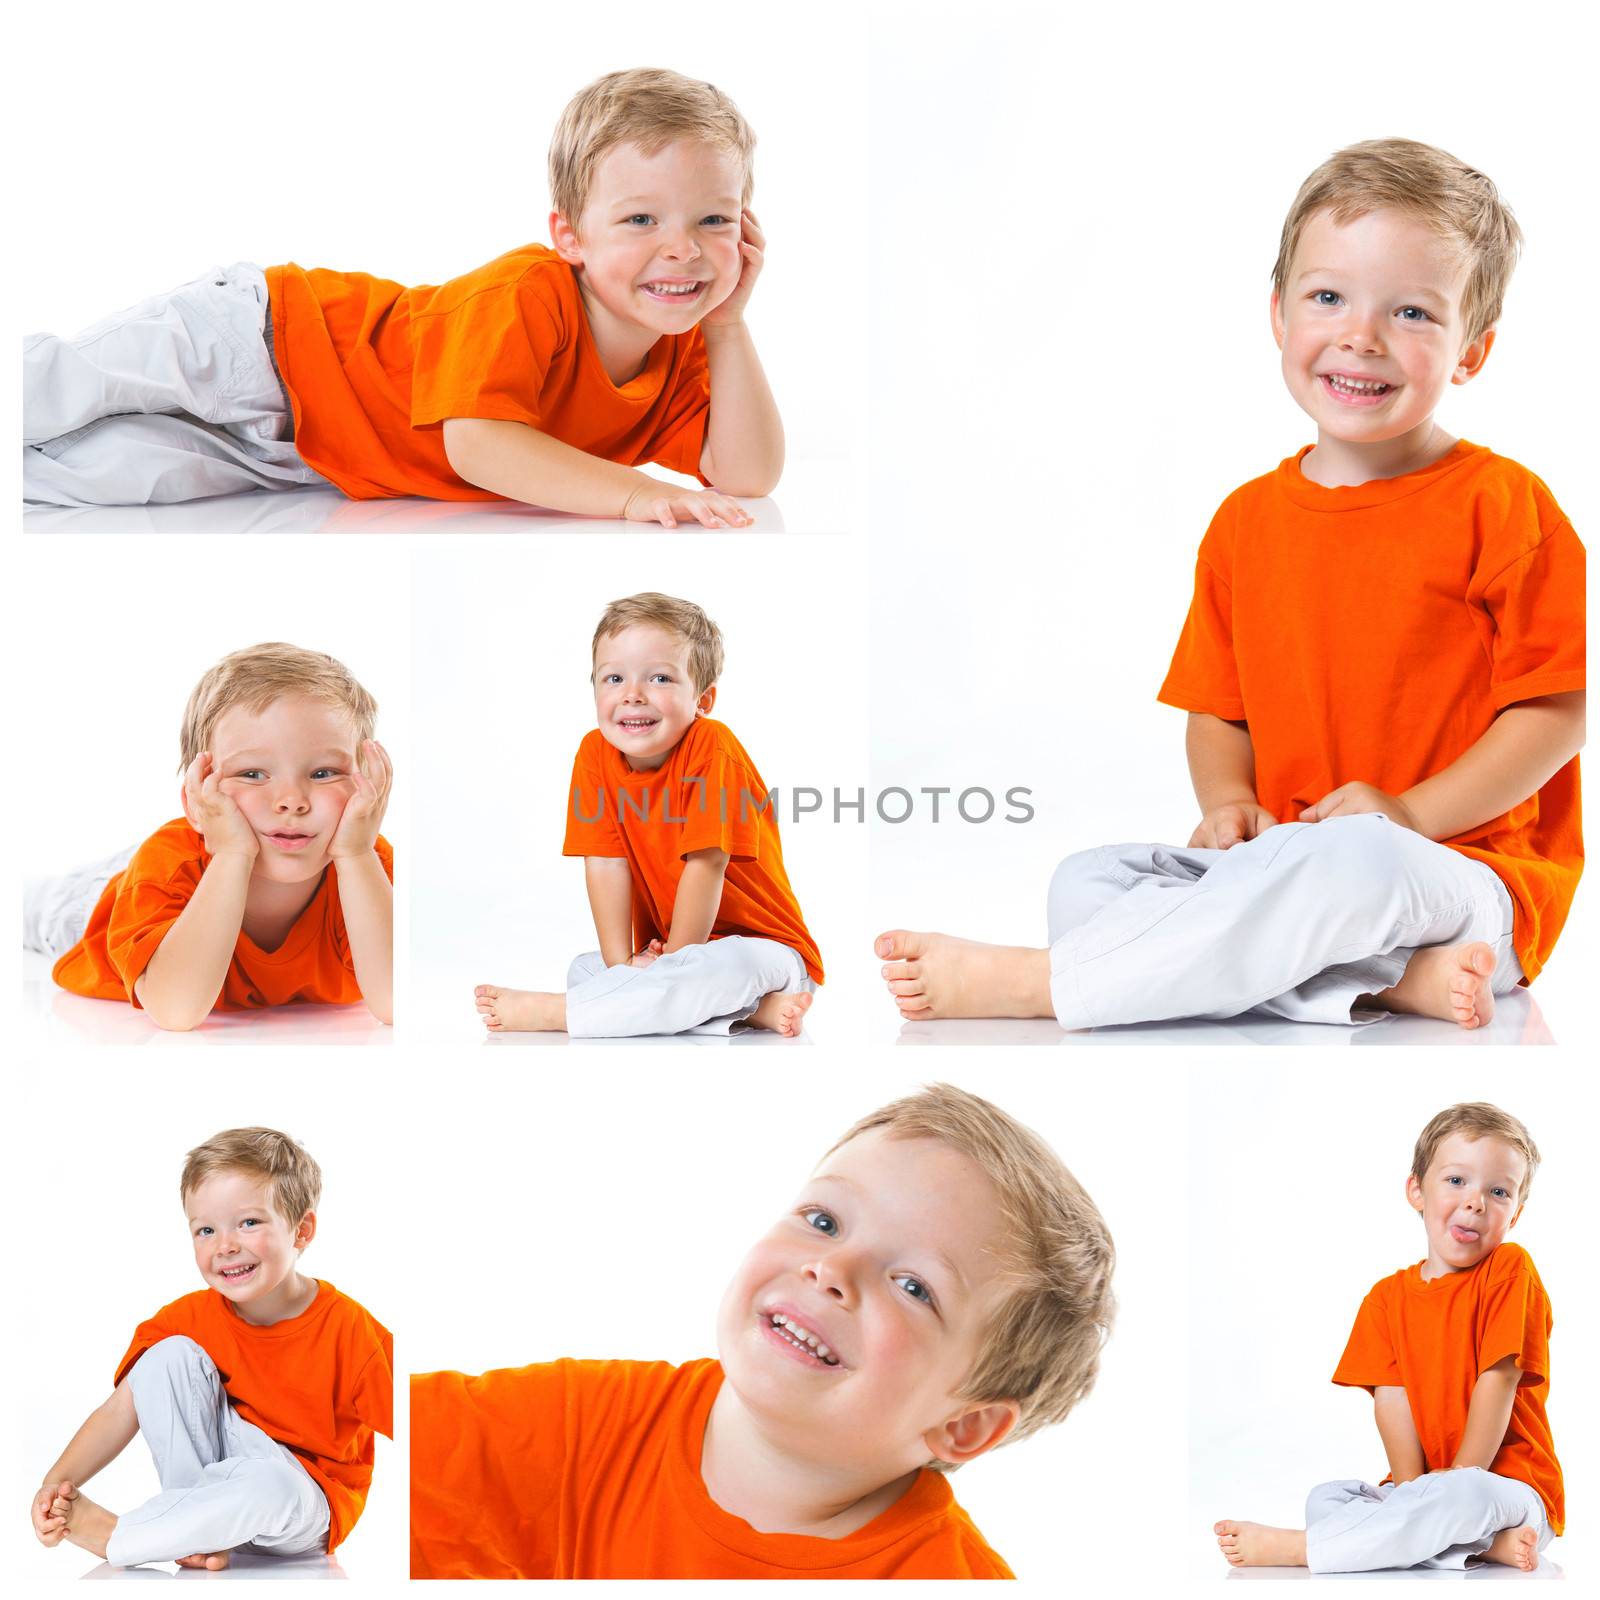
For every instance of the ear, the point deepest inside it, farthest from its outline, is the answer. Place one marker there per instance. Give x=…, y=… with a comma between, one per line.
x=971, y=1433
x=306, y=1230
x=1473, y=357
x=565, y=239
x=708, y=698
x=188, y=815
x=1513, y=1222
x=1277, y=319
x=1414, y=1192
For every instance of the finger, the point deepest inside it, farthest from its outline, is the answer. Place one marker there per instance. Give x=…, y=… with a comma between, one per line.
x=705, y=515
x=385, y=767
x=663, y=513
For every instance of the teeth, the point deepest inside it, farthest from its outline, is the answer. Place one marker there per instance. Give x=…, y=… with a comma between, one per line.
x=674, y=288
x=1356, y=385
x=804, y=1339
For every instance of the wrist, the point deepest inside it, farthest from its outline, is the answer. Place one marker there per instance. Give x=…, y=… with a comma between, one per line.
x=722, y=333
x=235, y=857
x=344, y=857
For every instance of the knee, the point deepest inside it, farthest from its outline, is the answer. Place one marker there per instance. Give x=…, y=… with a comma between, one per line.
x=174, y=1354
x=1072, y=887
x=1350, y=854
x=284, y=1493
x=1325, y=1498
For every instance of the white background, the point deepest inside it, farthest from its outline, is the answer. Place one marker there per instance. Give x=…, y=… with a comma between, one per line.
x=106, y=1199
x=1299, y=1207
x=616, y=1231
x=1018, y=266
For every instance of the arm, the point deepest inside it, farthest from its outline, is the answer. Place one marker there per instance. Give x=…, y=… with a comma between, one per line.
x=186, y=974
x=1488, y=1414
x=694, y=911
x=609, y=881
x=366, y=897
x=1222, y=768
x=1519, y=752
x=1398, y=1430
x=519, y=462
x=102, y=1438
x=743, y=452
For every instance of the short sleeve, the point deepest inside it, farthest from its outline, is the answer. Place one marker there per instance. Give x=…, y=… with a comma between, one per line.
x=592, y=828
x=680, y=441
x=1514, y=1319
x=722, y=804
x=1536, y=605
x=154, y=891
x=488, y=1456
x=1369, y=1360
x=485, y=355
x=150, y=1332
x=373, y=1399
x=1204, y=675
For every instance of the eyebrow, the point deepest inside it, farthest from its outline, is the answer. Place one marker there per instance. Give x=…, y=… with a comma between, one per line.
x=316, y=755
x=1412, y=293
x=652, y=199
x=606, y=666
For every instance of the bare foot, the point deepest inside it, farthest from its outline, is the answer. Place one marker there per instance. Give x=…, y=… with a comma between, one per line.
x=781, y=1013
x=1447, y=981
x=88, y=1525
x=1515, y=1547
x=521, y=1010
x=935, y=975
x=214, y=1562
x=1254, y=1544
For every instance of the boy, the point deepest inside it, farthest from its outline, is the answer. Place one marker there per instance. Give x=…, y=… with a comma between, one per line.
x=258, y=1395
x=1383, y=667
x=940, y=1287
x=699, y=930
x=545, y=376
x=274, y=886
x=1454, y=1352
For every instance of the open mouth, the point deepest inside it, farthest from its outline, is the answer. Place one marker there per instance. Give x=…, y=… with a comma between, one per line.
x=1463, y=1235
x=1354, y=391
x=637, y=724
x=680, y=291
x=288, y=839
x=795, y=1337
x=238, y=1275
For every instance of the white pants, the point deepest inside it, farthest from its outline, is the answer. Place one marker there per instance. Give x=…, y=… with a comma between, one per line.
x=1443, y=1519
x=224, y=1483
x=176, y=398
x=702, y=988
x=1299, y=922
x=55, y=911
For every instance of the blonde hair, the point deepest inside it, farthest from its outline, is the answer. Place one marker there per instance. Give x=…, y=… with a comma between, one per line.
x=681, y=617
x=1477, y=1119
x=647, y=106
x=254, y=678
x=1041, y=1346
x=295, y=1179
x=1457, y=201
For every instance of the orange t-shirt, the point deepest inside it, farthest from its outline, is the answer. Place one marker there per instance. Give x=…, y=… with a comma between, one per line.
x=1433, y=1337
x=1373, y=633
x=706, y=795
x=373, y=369
x=321, y=1384
x=591, y=1469
x=138, y=907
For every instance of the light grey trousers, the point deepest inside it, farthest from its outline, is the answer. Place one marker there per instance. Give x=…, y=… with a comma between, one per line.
x=176, y=398
x=1443, y=1519
x=703, y=988
x=56, y=910
x=224, y=1483
x=1299, y=922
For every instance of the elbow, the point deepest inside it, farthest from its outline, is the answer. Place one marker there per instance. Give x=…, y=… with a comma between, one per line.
x=462, y=438
x=173, y=1019
x=749, y=484
x=384, y=1013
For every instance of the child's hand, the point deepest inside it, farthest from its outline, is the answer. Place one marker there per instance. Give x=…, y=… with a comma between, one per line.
x=1352, y=799
x=48, y=1528
x=651, y=952
x=663, y=503
x=752, y=255
x=213, y=814
x=1225, y=826
x=357, y=832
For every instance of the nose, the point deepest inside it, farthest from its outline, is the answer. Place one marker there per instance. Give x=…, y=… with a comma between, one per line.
x=832, y=1273
x=680, y=244
x=290, y=798
x=1360, y=332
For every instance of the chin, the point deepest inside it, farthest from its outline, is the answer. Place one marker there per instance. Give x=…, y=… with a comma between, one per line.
x=286, y=869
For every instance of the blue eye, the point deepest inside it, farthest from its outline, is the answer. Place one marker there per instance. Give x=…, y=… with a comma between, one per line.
x=1325, y=297
x=327, y=772
x=661, y=677
x=1455, y=1178
x=251, y=1222
x=915, y=1287
x=823, y=1221
x=717, y=220
x=251, y=772
x=201, y=1232
x=1413, y=314
x=640, y=219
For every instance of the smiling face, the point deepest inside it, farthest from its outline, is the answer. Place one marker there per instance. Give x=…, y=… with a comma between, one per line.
x=644, y=694
x=852, y=1324
x=290, y=770
x=1370, y=327
x=1468, y=1199
x=243, y=1245
x=657, y=245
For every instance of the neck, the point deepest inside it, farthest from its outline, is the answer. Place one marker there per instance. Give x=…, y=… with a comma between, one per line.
x=623, y=348
x=1338, y=464
x=289, y=1299
x=271, y=909
x=750, y=1474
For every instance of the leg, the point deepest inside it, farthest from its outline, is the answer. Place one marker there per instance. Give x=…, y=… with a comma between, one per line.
x=1255, y=1544
x=1443, y=1520
x=224, y=1482
x=55, y=911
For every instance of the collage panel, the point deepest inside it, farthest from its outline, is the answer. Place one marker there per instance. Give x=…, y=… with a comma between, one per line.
x=212, y=1333
x=565, y=1387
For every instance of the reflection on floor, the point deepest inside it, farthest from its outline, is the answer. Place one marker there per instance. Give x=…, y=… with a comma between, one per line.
x=1517, y=1020
x=1486, y=1570
x=244, y=1564
x=717, y=1041
x=49, y=1013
